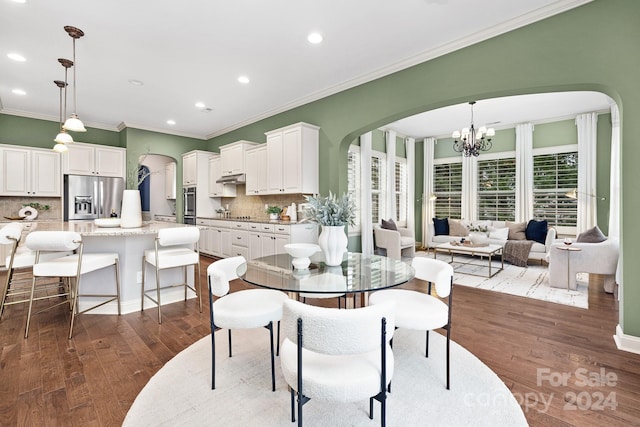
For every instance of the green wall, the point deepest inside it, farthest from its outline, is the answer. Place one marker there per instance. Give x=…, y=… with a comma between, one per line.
x=592, y=47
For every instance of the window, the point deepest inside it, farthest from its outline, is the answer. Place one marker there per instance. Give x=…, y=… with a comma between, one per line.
x=554, y=174
x=401, y=187
x=496, y=189
x=378, y=186
x=447, y=186
x=353, y=182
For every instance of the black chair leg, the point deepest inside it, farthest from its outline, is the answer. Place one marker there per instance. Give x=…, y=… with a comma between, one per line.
x=273, y=367
x=229, y=342
x=278, y=343
x=448, y=350
x=426, y=350
x=293, y=405
x=213, y=361
x=371, y=408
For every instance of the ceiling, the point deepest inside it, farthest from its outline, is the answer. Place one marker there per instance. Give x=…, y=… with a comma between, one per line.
x=194, y=51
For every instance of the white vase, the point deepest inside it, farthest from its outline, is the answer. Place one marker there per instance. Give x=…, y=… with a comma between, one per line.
x=131, y=213
x=333, y=242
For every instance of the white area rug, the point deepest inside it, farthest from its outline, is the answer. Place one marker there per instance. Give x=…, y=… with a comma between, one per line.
x=530, y=282
x=180, y=393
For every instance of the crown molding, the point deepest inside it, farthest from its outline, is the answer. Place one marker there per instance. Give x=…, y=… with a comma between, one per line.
x=124, y=125
x=50, y=118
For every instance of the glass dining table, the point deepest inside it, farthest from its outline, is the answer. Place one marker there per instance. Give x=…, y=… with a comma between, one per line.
x=358, y=275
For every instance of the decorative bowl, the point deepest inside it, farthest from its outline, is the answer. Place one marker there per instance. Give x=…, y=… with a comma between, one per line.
x=300, y=252
x=107, y=222
x=567, y=241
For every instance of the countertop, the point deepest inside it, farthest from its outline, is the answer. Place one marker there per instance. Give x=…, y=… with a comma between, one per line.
x=258, y=220
x=89, y=228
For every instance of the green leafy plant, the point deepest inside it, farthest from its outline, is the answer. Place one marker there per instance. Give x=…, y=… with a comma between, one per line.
x=331, y=210
x=274, y=210
x=37, y=206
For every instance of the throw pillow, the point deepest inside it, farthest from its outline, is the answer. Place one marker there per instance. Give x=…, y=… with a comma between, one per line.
x=441, y=226
x=537, y=230
x=517, y=230
x=456, y=228
x=499, y=233
x=593, y=235
x=389, y=225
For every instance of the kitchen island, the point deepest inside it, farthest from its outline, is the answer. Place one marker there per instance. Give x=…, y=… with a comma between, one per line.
x=130, y=244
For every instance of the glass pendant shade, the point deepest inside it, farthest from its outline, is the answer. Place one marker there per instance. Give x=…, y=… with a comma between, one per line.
x=60, y=148
x=63, y=138
x=74, y=124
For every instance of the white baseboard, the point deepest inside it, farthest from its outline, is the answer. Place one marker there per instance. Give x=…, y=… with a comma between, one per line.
x=625, y=342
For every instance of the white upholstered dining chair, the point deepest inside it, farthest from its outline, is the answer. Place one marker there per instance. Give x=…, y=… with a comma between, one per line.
x=423, y=311
x=246, y=309
x=70, y=266
x=175, y=247
x=340, y=355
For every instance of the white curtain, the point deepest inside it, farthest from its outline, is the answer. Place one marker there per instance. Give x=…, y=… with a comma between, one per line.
x=410, y=148
x=469, y=189
x=587, y=138
x=366, y=227
x=614, y=189
x=428, y=206
x=524, y=172
x=390, y=190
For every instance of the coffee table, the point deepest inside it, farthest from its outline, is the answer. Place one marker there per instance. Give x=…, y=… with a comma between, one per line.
x=488, y=251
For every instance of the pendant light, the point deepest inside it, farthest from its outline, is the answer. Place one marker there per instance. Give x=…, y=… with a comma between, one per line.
x=63, y=137
x=73, y=123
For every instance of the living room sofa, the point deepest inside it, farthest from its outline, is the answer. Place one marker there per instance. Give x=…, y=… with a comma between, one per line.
x=494, y=235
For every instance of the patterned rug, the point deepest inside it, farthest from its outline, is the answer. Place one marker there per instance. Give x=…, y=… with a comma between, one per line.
x=530, y=281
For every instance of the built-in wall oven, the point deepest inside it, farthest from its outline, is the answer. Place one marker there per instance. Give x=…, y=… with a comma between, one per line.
x=189, y=205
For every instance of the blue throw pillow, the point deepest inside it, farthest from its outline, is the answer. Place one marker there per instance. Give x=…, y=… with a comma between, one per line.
x=536, y=230
x=441, y=226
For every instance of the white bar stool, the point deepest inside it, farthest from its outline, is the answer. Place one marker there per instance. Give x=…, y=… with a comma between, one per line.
x=172, y=251
x=71, y=266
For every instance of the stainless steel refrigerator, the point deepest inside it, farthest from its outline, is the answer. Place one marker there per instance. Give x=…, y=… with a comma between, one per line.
x=91, y=197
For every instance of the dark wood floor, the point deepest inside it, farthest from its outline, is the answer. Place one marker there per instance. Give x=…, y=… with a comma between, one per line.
x=93, y=379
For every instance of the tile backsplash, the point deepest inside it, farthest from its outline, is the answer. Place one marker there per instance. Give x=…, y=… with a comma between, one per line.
x=10, y=206
x=253, y=206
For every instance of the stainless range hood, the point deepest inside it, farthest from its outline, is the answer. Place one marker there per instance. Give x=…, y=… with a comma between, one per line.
x=239, y=178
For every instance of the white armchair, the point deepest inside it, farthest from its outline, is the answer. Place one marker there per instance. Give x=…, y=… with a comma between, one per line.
x=397, y=244
x=597, y=258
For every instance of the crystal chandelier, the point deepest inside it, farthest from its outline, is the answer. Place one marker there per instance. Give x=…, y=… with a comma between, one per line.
x=471, y=141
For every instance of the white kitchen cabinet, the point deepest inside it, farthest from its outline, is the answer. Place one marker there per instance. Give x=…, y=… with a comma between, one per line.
x=189, y=169
x=215, y=172
x=293, y=159
x=268, y=239
x=93, y=159
x=29, y=172
x=232, y=155
x=170, y=181
x=195, y=173
x=215, y=237
x=256, y=164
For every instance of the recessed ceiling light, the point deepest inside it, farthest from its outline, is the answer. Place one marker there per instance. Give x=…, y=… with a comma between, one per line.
x=19, y=92
x=16, y=57
x=314, y=38
x=136, y=82
x=19, y=1
x=171, y=122
x=200, y=105
x=243, y=79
